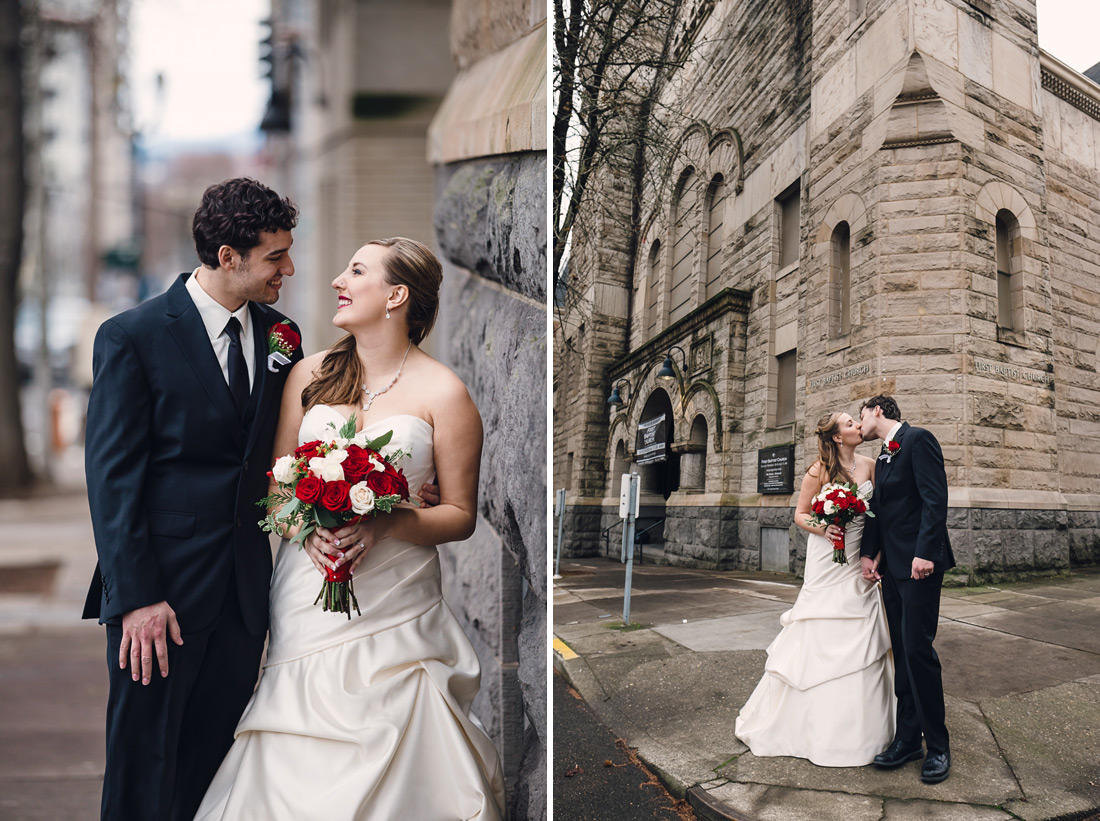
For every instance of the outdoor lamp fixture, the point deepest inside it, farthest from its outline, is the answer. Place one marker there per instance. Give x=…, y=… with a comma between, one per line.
x=615, y=400
x=667, y=374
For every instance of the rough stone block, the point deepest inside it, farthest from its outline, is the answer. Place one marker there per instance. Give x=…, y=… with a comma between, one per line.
x=490, y=218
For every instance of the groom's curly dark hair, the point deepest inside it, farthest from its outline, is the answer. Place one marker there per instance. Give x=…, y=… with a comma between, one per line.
x=234, y=213
x=889, y=406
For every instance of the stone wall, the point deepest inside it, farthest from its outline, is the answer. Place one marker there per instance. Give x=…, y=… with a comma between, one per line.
x=487, y=143
x=917, y=123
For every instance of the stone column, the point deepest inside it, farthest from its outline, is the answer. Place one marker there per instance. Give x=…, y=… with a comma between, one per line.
x=488, y=145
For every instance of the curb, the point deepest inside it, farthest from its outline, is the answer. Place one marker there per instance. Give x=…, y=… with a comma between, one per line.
x=709, y=809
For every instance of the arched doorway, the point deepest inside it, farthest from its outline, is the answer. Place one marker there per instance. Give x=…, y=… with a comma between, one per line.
x=660, y=467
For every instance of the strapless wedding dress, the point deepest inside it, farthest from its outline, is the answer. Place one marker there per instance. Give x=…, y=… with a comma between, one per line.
x=827, y=693
x=366, y=718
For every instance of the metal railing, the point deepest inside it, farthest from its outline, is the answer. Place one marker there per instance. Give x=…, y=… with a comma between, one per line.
x=638, y=540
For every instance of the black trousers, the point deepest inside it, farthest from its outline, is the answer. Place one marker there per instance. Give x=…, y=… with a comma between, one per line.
x=913, y=611
x=165, y=740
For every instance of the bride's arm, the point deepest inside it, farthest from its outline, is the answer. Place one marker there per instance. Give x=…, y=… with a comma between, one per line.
x=456, y=444
x=811, y=485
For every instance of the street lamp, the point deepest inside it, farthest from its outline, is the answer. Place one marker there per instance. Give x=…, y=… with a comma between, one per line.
x=615, y=400
x=667, y=374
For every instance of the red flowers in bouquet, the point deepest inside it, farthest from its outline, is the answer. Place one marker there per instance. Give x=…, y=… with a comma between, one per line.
x=837, y=504
x=330, y=484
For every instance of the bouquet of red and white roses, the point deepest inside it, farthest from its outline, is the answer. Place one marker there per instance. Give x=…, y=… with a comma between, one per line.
x=330, y=484
x=837, y=504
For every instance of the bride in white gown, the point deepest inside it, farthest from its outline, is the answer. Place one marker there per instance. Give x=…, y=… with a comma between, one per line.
x=827, y=693
x=368, y=718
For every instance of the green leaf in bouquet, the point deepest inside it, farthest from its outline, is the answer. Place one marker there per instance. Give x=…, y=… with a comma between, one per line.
x=300, y=537
x=348, y=430
x=289, y=509
x=380, y=442
x=326, y=518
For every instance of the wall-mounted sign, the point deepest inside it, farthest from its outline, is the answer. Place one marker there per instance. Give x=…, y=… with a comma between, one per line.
x=775, y=470
x=651, y=443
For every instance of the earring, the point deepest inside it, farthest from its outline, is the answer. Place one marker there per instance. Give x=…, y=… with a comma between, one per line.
x=387, y=312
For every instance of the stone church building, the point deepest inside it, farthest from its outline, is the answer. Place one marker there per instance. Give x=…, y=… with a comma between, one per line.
x=862, y=197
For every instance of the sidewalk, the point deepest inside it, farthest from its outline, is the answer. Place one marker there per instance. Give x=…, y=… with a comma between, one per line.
x=53, y=673
x=1021, y=676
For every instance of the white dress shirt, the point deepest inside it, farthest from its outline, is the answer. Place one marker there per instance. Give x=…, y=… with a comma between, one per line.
x=889, y=437
x=215, y=317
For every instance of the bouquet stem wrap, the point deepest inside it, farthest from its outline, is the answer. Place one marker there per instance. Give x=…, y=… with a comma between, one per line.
x=839, y=554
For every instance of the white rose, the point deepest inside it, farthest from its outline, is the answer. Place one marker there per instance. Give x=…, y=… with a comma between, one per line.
x=284, y=471
x=830, y=508
x=327, y=468
x=342, y=443
x=376, y=463
x=362, y=499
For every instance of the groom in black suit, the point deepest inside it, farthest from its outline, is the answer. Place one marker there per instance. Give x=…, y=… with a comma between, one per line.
x=909, y=534
x=181, y=421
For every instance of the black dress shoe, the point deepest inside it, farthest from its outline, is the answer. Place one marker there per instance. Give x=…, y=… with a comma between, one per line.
x=936, y=767
x=897, y=754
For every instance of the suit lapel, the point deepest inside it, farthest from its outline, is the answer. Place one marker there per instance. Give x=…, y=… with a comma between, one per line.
x=886, y=465
x=185, y=326
x=264, y=382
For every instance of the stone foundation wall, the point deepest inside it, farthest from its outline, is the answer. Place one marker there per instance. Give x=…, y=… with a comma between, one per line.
x=990, y=545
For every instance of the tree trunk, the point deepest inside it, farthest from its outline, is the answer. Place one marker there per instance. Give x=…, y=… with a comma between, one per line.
x=15, y=474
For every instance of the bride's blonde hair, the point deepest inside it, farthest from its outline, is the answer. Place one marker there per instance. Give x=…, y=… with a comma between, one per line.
x=828, y=452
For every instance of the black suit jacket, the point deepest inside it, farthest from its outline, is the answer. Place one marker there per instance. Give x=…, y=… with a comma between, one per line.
x=910, y=506
x=173, y=472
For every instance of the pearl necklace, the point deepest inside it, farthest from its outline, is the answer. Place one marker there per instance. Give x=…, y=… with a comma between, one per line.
x=372, y=395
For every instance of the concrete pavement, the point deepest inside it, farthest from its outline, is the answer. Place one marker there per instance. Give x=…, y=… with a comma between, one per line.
x=1021, y=677
x=53, y=674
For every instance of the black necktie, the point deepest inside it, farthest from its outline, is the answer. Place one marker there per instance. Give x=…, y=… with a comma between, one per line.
x=238, y=371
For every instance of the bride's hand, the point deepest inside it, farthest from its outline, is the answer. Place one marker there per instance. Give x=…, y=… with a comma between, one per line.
x=322, y=551
x=355, y=541
x=833, y=532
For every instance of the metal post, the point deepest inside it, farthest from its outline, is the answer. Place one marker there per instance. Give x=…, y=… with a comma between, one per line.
x=561, y=529
x=628, y=542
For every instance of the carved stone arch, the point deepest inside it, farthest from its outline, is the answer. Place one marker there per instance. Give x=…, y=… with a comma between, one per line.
x=692, y=147
x=998, y=195
x=701, y=399
x=726, y=157
x=848, y=208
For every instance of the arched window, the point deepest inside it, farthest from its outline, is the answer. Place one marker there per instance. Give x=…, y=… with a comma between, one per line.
x=716, y=234
x=683, y=244
x=840, y=282
x=653, y=291
x=693, y=464
x=1009, y=277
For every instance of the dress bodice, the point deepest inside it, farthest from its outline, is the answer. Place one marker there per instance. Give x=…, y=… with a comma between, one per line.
x=410, y=433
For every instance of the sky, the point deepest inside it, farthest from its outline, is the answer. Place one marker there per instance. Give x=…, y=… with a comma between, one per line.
x=208, y=52
x=1068, y=29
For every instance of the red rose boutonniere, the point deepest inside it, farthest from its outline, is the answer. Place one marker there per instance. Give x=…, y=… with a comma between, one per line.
x=282, y=341
x=890, y=450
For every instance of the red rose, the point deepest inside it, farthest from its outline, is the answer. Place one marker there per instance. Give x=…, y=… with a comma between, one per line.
x=309, y=450
x=356, y=464
x=894, y=447
x=335, y=496
x=385, y=484
x=309, y=488
x=402, y=482
x=287, y=336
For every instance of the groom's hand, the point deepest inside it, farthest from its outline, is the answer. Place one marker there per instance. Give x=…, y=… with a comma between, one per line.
x=429, y=495
x=922, y=568
x=870, y=567
x=143, y=634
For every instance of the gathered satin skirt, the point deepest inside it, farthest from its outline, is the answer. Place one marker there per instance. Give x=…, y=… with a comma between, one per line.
x=827, y=693
x=367, y=718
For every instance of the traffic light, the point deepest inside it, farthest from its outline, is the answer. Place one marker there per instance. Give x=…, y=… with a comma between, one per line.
x=267, y=49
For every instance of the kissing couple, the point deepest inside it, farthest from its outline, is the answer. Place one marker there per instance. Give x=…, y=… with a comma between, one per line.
x=195, y=392
x=832, y=692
